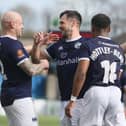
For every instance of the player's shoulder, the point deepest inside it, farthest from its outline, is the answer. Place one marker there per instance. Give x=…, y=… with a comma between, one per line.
x=83, y=39
x=102, y=41
x=57, y=43
x=15, y=44
x=117, y=45
x=7, y=41
x=88, y=41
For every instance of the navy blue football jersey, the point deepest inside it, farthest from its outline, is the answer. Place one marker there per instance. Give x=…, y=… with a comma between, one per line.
x=123, y=83
x=16, y=83
x=66, y=55
x=106, y=58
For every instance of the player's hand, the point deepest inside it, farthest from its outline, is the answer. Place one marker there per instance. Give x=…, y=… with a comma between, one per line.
x=42, y=38
x=52, y=38
x=68, y=108
x=39, y=38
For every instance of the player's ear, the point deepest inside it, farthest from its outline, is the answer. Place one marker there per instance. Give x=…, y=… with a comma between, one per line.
x=12, y=24
x=109, y=29
x=8, y=24
x=73, y=22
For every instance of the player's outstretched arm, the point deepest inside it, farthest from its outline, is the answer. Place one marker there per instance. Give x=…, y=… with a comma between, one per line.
x=42, y=39
x=34, y=69
x=39, y=41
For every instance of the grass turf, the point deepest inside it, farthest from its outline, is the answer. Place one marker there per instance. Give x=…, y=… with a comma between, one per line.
x=43, y=121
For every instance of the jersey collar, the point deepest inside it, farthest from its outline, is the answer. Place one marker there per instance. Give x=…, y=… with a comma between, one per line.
x=9, y=36
x=104, y=37
x=74, y=39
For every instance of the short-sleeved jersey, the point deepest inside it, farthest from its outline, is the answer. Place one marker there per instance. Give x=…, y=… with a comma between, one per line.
x=106, y=58
x=16, y=83
x=66, y=55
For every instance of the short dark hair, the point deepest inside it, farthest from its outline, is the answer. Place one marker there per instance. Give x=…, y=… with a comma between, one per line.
x=100, y=21
x=72, y=14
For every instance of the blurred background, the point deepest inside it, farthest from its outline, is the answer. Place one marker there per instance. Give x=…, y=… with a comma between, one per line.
x=42, y=15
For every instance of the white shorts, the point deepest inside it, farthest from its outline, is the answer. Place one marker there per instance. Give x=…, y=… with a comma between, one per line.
x=102, y=104
x=21, y=113
x=74, y=121
x=39, y=106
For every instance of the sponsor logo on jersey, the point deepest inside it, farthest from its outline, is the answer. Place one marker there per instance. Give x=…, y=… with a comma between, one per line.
x=63, y=55
x=67, y=61
x=20, y=53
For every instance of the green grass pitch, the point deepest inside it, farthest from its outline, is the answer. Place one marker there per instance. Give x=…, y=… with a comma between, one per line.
x=43, y=121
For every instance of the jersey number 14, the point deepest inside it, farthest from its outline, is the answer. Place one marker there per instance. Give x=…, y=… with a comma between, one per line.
x=109, y=71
